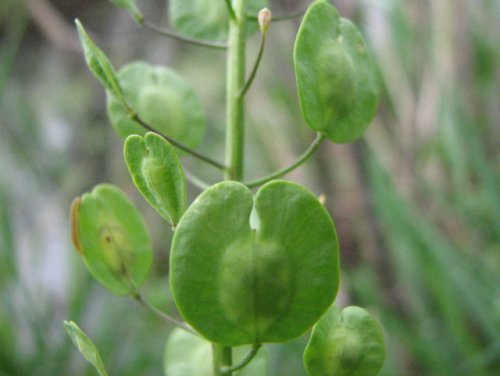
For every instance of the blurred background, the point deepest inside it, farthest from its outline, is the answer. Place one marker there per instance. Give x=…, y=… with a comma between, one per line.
x=416, y=201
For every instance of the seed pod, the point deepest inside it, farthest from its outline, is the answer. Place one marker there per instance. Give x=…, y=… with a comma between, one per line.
x=345, y=343
x=157, y=173
x=110, y=234
x=163, y=99
x=263, y=279
x=336, y=76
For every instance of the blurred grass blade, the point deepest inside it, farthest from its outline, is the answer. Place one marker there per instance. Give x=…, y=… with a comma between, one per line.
x=444, y=291
x=11, y=43
x=7, y=243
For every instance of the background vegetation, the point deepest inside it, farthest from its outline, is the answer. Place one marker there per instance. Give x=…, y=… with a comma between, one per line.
x=416, y=202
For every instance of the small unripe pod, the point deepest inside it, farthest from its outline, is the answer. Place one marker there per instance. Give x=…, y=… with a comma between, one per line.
x=265, y=17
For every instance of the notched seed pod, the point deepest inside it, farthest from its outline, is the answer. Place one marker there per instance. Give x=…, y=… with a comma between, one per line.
x=336, y=76
x=277, y=269
x=157, y=173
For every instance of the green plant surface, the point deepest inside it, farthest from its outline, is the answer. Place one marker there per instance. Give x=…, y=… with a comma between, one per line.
x=85, y=346
x=157, y=173
x=250, y=270
x=162, y=98
x=347, y=342
x=336, y=77
x=110, y=234
x=436, y=137
x=207, y=19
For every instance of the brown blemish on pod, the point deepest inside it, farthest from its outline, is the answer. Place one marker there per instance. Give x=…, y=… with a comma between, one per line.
x=75, y=224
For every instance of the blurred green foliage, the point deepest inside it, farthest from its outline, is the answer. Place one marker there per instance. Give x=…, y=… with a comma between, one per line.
x=417, y=200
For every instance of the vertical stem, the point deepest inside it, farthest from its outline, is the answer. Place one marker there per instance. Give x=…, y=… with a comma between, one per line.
x=227, y=357
x=217, y=359
x=235, y=128
x=235, y=82
x=221, y=357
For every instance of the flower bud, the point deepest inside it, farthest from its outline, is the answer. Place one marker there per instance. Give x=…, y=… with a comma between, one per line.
x=265, y=17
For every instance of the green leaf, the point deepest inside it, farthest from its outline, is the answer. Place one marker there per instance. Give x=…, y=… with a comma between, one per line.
x=188, y=355
x=347, y=343
x=157, y=174
x=207, y=20
x=162, y=99
x=110, y=234
x=99, y=64
x=336, y=76
x=251, y=270
x=131, y=7
x=85, y=346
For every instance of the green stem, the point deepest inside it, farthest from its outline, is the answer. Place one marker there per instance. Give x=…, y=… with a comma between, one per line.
x=227, y=358
x=230, y=10
x=216, y=359
x=222, y=355
x=134, y=116
x=304, y=157
x=255, y=66
x=247, y=359
x=221, y=359
x=235, y=104
x=183, y=38
x=163, y=315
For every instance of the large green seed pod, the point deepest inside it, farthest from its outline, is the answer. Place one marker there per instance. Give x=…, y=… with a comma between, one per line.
x=252, y=270
x=336, y=77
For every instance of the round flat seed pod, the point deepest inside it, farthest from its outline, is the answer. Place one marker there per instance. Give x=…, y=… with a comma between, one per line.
x=111, y=236
x=257, y=269
x=162, y=99
x=345, y=343
x=336, y=76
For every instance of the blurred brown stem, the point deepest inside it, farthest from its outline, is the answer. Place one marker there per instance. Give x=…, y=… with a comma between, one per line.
x=51, y=23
